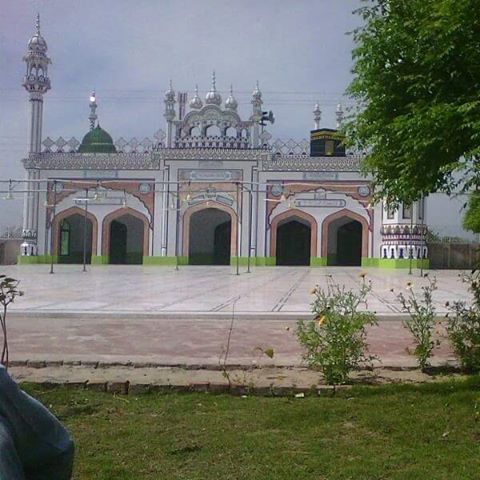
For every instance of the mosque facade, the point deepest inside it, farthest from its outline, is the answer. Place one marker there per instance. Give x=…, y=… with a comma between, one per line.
x=211, y=188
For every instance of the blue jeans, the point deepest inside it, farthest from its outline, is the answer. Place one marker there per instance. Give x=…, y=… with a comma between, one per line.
x=33, y=443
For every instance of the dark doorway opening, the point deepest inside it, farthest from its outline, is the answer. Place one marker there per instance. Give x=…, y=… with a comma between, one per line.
x=210, y=237
x=71, y=233
x=293, y=243
x=345, y=242
x=126, y=241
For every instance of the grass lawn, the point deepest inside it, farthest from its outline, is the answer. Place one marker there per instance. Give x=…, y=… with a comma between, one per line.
x=393, y=432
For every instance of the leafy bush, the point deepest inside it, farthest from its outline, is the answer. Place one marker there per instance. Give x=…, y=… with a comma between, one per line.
x=335, y=340
x=464, y=326
x=421, y=321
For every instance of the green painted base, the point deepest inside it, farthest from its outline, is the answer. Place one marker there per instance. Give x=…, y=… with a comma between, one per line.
x=242, y=261
x=264, y=261
x=100, y=259
x=395, y=263
x=33, y=260
x=318, y=262
x=160, y=261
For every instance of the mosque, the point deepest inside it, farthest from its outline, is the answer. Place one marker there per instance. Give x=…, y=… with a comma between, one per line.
x=212, y=188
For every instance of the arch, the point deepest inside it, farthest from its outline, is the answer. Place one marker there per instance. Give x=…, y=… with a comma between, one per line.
x=291, y=215
x=63, y=215
x=230, y=131
x=336, y=216
x=203, y=206
x=194, y=131
x=106, y=227
x=213, y=131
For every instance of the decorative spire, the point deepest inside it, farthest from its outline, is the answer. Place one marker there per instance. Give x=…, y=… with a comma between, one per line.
x=37, y=25
x=230, y=102
x=317, y=116
x=339, y=115
x=213, y=97
x=196, y=102
x=93, y=107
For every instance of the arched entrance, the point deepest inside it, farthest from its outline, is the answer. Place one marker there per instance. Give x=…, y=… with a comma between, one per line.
x=70, y=230
x=345, y=236
x=210, y=234
x=293, y=238
x=125, y=237
x=293, y=242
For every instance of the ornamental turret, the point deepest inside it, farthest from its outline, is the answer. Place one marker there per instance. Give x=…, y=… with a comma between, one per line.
x=196, y=102
x=317, y=116
x=231, y=103
x=256, y=117
x=169, y=113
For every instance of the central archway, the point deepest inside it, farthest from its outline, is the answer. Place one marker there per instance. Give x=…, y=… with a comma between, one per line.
x=210, y=236
x=293, y=238
x=125, y=237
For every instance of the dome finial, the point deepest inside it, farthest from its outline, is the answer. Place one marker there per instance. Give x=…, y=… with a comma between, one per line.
x=37, y=25
x=230, y=102
x=93, y=107
x=196, y=102
x=214, y=87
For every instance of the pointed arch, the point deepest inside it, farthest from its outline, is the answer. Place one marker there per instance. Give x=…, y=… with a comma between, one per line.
x=345, y=212
x=291, y=215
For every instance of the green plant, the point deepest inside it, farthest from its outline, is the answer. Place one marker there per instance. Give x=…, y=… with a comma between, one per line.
x=335, y=340
x=421, y=320
x=8, y=292
x=464, y=326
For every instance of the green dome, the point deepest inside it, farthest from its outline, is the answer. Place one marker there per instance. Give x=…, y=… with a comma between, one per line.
x=97, y=141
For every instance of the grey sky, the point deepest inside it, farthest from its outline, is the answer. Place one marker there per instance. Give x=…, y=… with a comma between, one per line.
x=128, y=50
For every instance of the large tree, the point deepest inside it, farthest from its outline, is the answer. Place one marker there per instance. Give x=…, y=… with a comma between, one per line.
x=416, y=88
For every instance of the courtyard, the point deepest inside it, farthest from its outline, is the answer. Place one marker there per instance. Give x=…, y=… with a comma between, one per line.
x=167, y=317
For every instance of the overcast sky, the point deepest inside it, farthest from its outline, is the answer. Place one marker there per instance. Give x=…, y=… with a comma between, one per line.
x=299, y=51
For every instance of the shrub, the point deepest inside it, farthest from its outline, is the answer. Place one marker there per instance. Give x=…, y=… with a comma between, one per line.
x=334, y=342
x=8, y=292
x=421, y=320
x=464, y=326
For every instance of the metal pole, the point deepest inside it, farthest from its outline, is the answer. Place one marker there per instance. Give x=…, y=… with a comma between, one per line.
x=238, y=231
x=52, y=232
x=85, y=232
x=249, y=229
x=410, y=253
x=422, y=236
x=176, y=228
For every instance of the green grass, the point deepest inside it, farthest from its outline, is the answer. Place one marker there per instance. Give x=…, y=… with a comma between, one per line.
x=393, y=432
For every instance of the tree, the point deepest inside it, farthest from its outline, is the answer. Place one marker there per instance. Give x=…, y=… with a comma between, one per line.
x=417, y=90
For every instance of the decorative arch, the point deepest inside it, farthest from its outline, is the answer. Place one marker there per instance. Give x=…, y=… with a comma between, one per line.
x=345, y=212
x=203, y=206
x=293, y=213
x=120, y=213
x=64, y=214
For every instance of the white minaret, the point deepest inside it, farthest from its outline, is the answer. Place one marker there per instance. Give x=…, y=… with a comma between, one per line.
x=36, y=83
x=169, y=113
x=257, y=103
x=317, y=116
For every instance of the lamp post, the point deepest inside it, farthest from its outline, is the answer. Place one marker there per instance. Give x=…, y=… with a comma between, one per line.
x=52, y=231
x=85, y=232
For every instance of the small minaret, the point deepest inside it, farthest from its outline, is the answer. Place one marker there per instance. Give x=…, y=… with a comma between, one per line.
x=169, y=113
x=257, y=103
x=339, y=115
x=317, y=116
x=93, y=108
x=36, y=83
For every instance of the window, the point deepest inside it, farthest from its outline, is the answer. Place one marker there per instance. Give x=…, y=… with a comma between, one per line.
x=65, y=238
x=407, y=212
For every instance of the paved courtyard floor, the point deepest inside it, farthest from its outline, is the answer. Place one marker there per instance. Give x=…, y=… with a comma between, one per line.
x=159, y=315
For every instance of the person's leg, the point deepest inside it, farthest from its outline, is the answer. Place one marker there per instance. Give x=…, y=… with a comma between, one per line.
x=10, y=465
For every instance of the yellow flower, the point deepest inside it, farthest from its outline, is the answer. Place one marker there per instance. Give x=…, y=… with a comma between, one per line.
x=321, y=320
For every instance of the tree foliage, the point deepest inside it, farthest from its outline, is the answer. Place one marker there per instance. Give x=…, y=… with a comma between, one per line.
x=416, y=86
